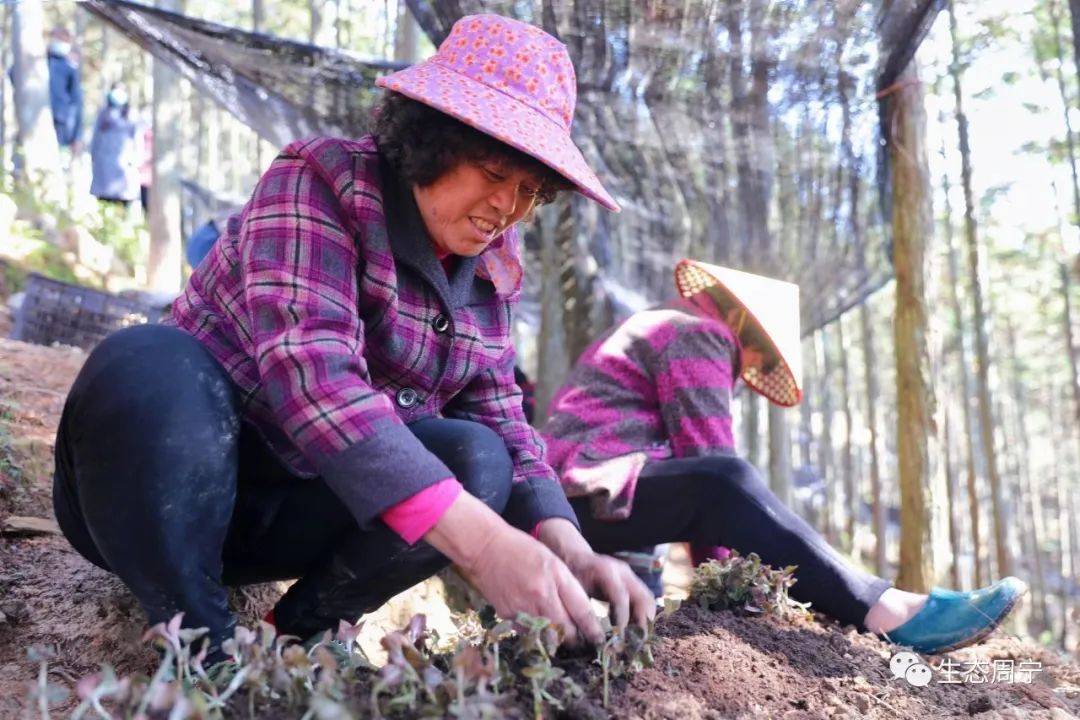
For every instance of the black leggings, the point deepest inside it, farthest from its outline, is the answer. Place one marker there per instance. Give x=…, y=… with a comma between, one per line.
x=720, y=500
x=159, y=481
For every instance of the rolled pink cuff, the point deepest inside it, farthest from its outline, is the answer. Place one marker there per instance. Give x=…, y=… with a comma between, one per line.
x=413, y=517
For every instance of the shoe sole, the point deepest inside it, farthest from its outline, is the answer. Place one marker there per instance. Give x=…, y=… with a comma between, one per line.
x=982, y=634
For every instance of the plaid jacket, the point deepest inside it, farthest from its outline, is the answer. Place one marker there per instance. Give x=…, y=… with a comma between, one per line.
x=656, y=386
x=326, y=304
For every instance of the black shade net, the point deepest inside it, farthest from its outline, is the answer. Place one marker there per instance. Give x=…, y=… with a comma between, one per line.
x=740, y=132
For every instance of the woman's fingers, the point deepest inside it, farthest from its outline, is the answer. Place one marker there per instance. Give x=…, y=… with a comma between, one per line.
x=576, y=602
x=642, y=602
x=556, y=614
x=613, y=585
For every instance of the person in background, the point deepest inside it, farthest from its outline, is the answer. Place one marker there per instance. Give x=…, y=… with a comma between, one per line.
x=114, y=152
x=641, y=434
x=65, y=91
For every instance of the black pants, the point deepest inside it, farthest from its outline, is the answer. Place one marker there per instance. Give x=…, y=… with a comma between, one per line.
x=724, y=501
x=159, y=481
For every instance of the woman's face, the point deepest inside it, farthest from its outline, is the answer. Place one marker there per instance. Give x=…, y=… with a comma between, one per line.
x=473, y=203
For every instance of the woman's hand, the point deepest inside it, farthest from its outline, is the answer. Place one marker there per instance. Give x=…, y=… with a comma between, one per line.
x=513, y=572
x=602, y=575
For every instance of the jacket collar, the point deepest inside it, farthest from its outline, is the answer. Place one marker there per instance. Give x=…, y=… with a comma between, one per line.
x=411, y=244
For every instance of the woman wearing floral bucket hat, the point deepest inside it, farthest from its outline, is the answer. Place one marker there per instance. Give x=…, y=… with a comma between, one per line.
x=641, y=435
x=333, y=399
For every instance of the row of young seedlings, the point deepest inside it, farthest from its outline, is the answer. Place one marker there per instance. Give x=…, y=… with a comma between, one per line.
x=486, y=676
x=494, y=669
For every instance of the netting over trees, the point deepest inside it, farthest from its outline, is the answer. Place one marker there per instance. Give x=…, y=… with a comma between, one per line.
x=743, y=132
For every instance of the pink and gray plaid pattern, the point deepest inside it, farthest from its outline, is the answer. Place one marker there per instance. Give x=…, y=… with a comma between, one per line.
x=332, y=331
x=657, y=386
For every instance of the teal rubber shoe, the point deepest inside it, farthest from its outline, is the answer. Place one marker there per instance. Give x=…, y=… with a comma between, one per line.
x=952, y=619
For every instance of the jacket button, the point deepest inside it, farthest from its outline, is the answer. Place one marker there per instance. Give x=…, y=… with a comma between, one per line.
x=440, y=323
x=407, y=397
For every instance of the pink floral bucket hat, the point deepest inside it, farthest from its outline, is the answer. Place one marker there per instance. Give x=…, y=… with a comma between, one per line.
x=512, y=81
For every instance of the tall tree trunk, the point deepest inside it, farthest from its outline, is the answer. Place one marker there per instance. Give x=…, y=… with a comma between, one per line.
x=406, y=36
x=1063, y=271
x=165, y=264
x=982, y=349
x=1070, y=347
x=881, y=558
x=337, y=24
x=200, y=111
x=751, y=425
x=960, y=338
x=1031, y=491
x=825, y=442
x=780, y=453
x=5, y=62
x=911, y=223
x=1074, y=566
x=950, y=493
x=315, y=13
x=553, y=359
x=1067, y=567
x=1074, y=14
x=258, y=21
x=806, y=408
x=847, y=458
x=36, y=137
x=258, y=15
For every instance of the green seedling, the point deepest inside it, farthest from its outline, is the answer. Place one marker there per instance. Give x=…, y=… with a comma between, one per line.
x=745, y=584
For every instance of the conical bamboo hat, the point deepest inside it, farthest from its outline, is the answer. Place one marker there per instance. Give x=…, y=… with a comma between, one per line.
x=772, y=309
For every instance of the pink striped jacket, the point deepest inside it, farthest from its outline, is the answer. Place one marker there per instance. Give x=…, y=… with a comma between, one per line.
x=656, y=386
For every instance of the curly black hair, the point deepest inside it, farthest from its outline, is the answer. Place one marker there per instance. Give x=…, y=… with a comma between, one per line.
x=421, y=144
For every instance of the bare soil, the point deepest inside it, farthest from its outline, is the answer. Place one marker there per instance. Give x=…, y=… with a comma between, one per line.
x=708, y=665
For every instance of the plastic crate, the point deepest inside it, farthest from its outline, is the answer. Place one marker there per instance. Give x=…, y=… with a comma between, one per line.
x=59, y=312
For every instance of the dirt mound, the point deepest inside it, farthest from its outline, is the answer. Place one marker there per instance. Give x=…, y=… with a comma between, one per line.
x=719, y=665
x=708, y=665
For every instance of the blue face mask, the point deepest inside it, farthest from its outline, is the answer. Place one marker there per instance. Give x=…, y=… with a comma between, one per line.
x=59, y=47
x=117, y=98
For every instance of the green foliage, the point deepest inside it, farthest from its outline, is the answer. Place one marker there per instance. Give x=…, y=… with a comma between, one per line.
x=747, y=585
x=47, y=226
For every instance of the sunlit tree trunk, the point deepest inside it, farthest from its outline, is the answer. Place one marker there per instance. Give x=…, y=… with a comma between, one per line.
x=406, y=36
x=806, y=407
x=1074, y=15
x=826, y=460
x=951, y=493
x=552, y=356
x=164, y=266
x=751, y=426
x=36, y=138
x=847, y=458
x=315, y=15
x=5, y=62
x=964, y=399
x=982, y=349
x=1067, y=566
x=911, y=223
x=1063, y=271
x=881, y=559
x=1030, y=499
x=780, y=453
